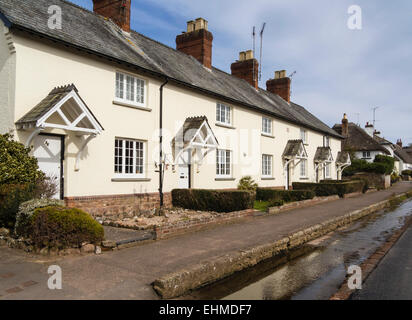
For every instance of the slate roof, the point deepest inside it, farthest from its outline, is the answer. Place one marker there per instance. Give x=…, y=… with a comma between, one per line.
x=44, y=106
x=292, y=149
x=322, y=154
x=343, y=157
x=88, y=31
x=359, y=140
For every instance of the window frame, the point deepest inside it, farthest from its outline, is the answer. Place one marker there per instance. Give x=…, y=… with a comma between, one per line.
x=270, y=126
x=305, y=135
x=229, y=111
x=124, y=100
x=366, y=154
x=270, y=174
x=303, y=164
x=328, y=170
x=134, y=165
x=225, y=164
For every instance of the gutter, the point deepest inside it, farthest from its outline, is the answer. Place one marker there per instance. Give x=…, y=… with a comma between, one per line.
x=160, y=75
x=161, y=168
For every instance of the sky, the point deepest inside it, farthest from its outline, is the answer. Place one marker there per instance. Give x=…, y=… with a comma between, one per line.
x=338, y=69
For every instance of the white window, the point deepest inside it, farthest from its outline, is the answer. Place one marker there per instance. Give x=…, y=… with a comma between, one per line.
x=304, y=136
x=366, y=154
x=327, y=170
x=223, y=114
x=267, y=161
x=303, y=168
x=326, y=141
x=266, y=125
x=129, y=158
x=130, y=89
x=223, y=163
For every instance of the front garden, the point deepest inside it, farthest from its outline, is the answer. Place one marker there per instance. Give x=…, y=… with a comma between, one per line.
x=29, y=218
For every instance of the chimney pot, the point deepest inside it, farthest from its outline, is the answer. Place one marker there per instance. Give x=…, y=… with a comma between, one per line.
x=280, y=85
x=246, y=68
x=345, y=126
x=117, y=11
x=197, y=42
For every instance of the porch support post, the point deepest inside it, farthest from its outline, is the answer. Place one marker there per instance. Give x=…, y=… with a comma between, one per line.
x=88, y=139
x=33, y=135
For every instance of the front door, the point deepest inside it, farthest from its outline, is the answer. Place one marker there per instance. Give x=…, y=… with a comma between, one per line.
x=48, y=151
x=184, y=170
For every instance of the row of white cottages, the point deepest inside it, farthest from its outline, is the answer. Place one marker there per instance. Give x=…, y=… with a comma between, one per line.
x=92, y=97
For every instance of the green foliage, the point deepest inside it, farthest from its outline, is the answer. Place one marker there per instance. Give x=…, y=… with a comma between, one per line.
x=407, y=173
x=16, y=165
x=264, y=205
x=395, y=178
x=266, y=194
x=26, y=211
x=333, y=188
x=62, y=227
x=212, y=200
x=388, y=161
x=11, y=196
x=247, y=184
x=359, y=165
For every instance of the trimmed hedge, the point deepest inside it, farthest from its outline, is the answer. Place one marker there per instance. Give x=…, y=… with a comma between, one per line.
x=11, y=196
x=212, y=200
x=333, y=188
x=381, y=165
x=264, y=194
x=62, y=227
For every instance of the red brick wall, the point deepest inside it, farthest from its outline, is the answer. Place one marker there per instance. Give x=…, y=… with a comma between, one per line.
x=116, y=207
x=116, y=10
x=281, y=87
x=197, y=44
x=244, y=70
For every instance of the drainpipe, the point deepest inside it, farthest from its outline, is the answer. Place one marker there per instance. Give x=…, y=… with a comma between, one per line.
x=161, y=143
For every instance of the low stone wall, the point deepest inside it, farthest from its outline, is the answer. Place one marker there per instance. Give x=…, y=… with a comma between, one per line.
x=378, y=181
x=118, y=207
x=302, y=204
x=201, y=274
x=181, y=227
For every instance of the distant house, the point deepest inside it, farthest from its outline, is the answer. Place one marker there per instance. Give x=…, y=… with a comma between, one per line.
x=404, y=155
x=361, y=141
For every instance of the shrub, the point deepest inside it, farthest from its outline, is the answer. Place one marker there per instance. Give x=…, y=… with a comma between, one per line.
x=276, y=203
x=364, y=166
x=45, y=187
x=26, y=211
x=62, y=227
x=247, y=184
x=394, y=178
x=11, y=195
x=265, y=194
x=407, y=173
x=388, y=161
x=212, y=200
x=16, y=164
x=329, y=189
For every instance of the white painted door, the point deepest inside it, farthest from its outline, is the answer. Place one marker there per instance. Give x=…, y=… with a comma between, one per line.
x=184, y=170
x=47, y=150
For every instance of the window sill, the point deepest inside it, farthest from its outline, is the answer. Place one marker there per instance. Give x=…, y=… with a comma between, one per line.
x=131, y=179
x=130, y=105
x=225, y=179
x=304, y=178
x=224, y=125
x=267, y=135
x=267, y=178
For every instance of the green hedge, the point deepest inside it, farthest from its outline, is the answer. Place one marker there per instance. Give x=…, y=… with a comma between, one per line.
x=381, y=165
x=263, y=194
x=333, y=188
x=62, y=227
x=212, y=200
x=11, y=196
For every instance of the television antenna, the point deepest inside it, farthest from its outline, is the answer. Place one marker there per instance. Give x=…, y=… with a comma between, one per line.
x=254, y=50
x=374, y=115
x=292, y=74
x=261, y=48
x=358, y=118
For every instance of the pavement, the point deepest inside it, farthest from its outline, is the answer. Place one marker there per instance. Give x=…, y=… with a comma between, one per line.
x=392, y=278
x=128, y=273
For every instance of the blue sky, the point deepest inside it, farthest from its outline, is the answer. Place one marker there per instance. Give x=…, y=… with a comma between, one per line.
x=337, y=69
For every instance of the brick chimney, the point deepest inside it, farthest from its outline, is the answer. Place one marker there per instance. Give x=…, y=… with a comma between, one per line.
x=246, y=68
x=280, y=85
x=116, y=10
x=197, y=42
x=399, y=143
x=345, y=126
x=370, y=129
